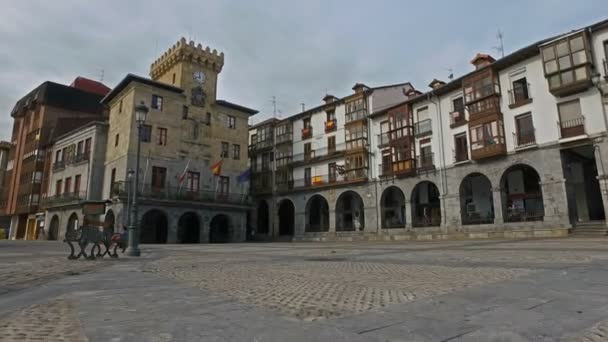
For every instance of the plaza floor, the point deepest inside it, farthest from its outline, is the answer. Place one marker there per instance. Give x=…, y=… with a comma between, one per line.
x=482, y=290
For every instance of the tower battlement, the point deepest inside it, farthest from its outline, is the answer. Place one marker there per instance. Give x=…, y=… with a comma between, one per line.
x=187, y=51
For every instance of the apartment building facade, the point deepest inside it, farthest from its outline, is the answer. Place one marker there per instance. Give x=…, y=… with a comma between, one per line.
x=515, y=148
x=48, y=111
x=76, y=175
x=193, y=148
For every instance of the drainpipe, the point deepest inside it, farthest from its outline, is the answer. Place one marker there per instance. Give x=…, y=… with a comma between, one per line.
x=370, y=167
x=442, y=174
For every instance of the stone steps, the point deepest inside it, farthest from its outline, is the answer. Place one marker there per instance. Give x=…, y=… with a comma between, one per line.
x=590, y=229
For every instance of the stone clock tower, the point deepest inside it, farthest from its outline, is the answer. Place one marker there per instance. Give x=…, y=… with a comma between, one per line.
x=192, y=68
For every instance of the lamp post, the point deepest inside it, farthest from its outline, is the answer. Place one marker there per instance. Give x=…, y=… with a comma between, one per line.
x=141, y=111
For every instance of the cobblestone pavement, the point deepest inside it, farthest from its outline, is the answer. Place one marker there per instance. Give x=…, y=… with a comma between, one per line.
x=55, y=320
x=535, y=290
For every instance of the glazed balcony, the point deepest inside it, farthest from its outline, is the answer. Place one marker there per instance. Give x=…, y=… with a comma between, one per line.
x=319, y=154
x=64, y=199
x=171, y=194
x=457, y=118
x=491, y=147
x=284, y=138
x=485, y=110
x=322, y=181
x=261, y=182
x=306, y=133
x=331, y=125
x=355, y=116
x=397, y=168
x=258, y=146
x=401, y=135
x=423, y=128
x=524, y=138
x=571, y=128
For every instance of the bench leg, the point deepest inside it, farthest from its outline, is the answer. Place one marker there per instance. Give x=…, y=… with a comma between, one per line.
x=71, y=256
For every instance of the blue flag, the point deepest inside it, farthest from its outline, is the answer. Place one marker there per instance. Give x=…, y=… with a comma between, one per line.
x=244, y=177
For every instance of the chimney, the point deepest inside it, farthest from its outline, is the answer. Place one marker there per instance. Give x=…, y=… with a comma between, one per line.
x=435, y=83
x=481, y=60
x=360, y=87
x=329, y=98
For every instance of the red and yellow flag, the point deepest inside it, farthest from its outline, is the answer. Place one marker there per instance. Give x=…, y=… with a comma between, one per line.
x=216, y=168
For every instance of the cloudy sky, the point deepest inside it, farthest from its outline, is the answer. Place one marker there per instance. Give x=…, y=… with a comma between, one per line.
x=294, y=50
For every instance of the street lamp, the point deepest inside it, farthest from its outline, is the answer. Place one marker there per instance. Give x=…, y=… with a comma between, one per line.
x=141, y=112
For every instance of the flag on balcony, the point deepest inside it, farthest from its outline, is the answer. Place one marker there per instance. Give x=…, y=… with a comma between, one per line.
x=216, y=168
x=183, y=175
x=245, y=176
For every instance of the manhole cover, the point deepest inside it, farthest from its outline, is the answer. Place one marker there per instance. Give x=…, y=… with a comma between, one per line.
x=326, y=259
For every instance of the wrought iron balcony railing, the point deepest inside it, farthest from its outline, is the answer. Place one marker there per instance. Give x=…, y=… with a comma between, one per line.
x=524, y=138
x=66, y=198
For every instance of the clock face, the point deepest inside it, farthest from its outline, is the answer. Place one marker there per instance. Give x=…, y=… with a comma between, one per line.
x=199, y=77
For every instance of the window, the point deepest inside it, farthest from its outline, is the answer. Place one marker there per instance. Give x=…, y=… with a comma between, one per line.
x=112, y=180
x=306, y=123
x=87, y=146
x=173, y=79
x=58, y=157
x=332, y=172
x=266, y=159
x=68, y=185
x=146, y=133
x=524, y=129
x=490, y=133
x=422, y=113
x=231, y=122
x=520, y=90
x=569, y=111
x=458, y=105
x=77, y=184
x=236, y=152
x=116, y=138
x=159, y=175
x=565, y=62
x=195, y=130
x=120, y=106
x=307, y=177
x=157, y=102
x=331, y=144
x=58, y=187
x=224, y=149
x=224, y=185
x=185, y=112
x=208, y=120
x=308, y=151
x=162, y=136
x=193, y=181
x=461, y=149
x=331, y=115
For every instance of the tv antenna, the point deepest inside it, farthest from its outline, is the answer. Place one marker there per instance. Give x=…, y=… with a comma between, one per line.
x=451, y=75
x=101, y=74
x=274, y=105
x=501, y=48
x=303, y=106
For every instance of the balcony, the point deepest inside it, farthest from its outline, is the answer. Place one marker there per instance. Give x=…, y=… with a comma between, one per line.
x=491, y=147
x=460, y=156
x=397, y=168
x=484, y=111
x=571, y=128
x=520, y=96
x=183, y=194
x=69, y=198
x=331, y=125
x=524, y=139
x=58, y=166
x=319, y=154
x=424, y=162
x=321, y=181
x=284, y=137
x=284, y=186
x=355, y=116
x=423, y=128
x=383, y=139
x=306, y=133
x=261, y=182
x=82, y=157
x=457, y=118
x=259, y=146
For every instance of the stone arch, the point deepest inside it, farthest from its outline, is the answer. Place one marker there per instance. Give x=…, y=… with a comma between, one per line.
x=317, y=214
x=392, y=204
x=521, y=194
x=287, y=213
x=188, y=228
x=263, y=220
x=426, y=205
x=350, y=212
x=219, y=229
x=109, y=221
x=476, y=199
x=73, y=223
x=153, y=227
x=54, y=228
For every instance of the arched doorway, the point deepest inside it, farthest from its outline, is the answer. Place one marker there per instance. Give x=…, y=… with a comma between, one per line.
x=108, y=222
x=153, y=227
x=476, y=200
x=219, y=229
x=349, y=212
x=317, y=214
x=286, y=217
x=393, y=208
x=188, y=228
x=73, y=223
x=426, y=205
x=263, y=218
x=522, y=197
x=54, y=228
